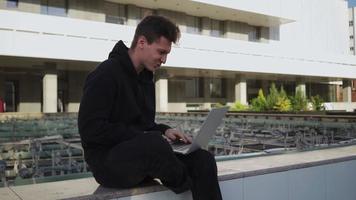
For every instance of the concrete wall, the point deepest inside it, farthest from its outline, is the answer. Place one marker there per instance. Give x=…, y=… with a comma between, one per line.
x=78, y=40
x=306, y=33
x=321, y=27
x=325, y=182
x=97, y=11
x=352, y=30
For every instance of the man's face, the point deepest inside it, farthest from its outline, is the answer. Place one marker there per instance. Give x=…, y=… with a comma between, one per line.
x=153, y=55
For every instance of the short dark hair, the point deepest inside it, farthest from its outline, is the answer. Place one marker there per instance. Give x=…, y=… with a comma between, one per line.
x=153, y=27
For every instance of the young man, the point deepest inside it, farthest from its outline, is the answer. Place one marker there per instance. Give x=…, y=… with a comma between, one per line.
x=123, y=145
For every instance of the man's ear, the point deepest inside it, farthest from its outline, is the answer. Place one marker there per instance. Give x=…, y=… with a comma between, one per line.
x=141, y=42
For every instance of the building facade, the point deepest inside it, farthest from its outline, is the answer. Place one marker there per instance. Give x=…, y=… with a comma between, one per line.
x=352, y=17
x=228, y=50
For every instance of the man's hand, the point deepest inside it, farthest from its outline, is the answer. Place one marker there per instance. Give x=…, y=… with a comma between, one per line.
x=173, y=134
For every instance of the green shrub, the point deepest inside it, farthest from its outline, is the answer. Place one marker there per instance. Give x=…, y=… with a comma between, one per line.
x=272, y=97
x=279, y=101
x=299, y=101
x=237, y=106
x=317, y=103
x=283, y=103
x=217, y=105
x=259, y=103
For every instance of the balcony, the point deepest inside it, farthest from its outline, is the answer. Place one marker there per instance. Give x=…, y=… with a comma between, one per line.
x=50, y=37
x=248, y=11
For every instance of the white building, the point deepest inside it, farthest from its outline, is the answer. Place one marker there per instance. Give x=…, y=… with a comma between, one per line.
x=352, y=16
x=228, y=50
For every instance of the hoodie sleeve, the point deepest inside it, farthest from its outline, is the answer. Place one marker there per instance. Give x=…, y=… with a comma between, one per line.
x=95, y=110
x=160, y=127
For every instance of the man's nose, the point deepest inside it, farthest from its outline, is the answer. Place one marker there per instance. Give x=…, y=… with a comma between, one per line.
x=164, y=59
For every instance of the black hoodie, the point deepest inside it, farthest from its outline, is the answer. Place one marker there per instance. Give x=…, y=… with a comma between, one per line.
x=117, y=105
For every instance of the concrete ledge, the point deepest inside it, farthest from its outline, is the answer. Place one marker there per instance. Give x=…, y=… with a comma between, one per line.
x=87, y=188
x=283, y=168
x=112, y=193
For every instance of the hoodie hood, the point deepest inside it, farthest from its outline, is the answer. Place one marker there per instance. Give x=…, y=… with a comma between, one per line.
x=120, y=52
x=120, y=49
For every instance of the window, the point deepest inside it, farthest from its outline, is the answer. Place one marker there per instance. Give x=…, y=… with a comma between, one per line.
x=115, y=13
x=12, y=3
x=217, y=28
x=183, y=88
x=193, y=24
x=258, y=32
x=255, y=34
x=217, y=87
x=114, y=19
x=194, y=87
x=54, y=7
x=11, y=96
x=351, y=23
x=352, y=48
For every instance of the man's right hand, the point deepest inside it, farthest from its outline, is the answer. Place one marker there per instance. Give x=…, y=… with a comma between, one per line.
x=173, y=134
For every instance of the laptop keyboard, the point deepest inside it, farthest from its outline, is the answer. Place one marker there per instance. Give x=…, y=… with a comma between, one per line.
x=180, y=146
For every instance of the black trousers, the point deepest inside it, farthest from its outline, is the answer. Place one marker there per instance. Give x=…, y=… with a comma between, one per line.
x=150, y=156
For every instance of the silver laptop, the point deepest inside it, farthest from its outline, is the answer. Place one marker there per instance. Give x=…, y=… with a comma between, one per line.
x=207, y=130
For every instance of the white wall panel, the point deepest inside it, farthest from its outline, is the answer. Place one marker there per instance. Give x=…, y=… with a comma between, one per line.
x=341, y=181
x=299, y=52
x=270, y=186
x=321, y=27
x=232, y=189
x=307, y=183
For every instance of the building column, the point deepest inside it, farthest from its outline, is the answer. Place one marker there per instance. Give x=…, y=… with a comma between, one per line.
x=346, y=91
x=49, y=93
x=301, y=86
x=241, y=89
x=162, y=95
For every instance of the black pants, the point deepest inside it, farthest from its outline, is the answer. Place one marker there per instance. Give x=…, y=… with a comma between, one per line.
x=150, y=156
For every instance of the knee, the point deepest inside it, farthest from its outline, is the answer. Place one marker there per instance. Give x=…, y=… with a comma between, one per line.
x=205, y=159
x=204, y=156
x=155, y=143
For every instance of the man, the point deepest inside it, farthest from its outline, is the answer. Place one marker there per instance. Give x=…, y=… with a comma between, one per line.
x=123, y=145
